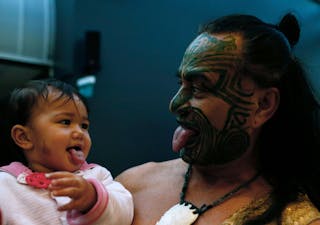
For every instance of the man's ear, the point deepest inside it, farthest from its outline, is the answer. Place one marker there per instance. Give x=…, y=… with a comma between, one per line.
x=21, y=136
x=268, y=104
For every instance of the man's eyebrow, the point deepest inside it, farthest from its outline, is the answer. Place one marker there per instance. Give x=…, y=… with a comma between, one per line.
x=192, y=76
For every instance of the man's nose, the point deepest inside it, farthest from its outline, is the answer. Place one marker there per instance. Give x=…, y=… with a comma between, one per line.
x=180, y=100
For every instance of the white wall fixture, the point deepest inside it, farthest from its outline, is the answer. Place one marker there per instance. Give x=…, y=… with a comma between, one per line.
x=27, y=38
x=27, y=31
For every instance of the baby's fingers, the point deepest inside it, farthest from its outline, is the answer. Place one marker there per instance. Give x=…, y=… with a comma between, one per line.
x=57, y=175
x=64, y=183
x=71, y=192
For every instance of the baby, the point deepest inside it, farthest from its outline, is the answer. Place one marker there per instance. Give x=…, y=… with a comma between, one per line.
x=52, y=183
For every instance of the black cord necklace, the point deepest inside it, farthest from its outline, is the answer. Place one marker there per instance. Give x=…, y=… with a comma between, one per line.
x=186, y=213
x=220, y=200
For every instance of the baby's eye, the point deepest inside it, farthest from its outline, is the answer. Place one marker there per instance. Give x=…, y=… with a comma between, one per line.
x=85, y=126
x=65, y=122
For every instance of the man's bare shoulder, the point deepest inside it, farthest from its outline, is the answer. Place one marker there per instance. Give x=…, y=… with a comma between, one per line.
x=139, y=176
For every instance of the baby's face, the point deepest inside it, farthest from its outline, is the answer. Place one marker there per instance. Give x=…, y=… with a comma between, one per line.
x=58, y=130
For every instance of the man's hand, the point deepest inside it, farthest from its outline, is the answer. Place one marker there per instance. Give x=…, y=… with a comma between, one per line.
x=82, y=193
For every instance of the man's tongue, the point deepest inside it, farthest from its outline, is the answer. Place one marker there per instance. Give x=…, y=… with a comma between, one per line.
x=180, y=138
x=77, y=156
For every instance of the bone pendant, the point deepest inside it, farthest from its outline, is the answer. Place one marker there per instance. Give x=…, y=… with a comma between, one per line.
x=180, y=214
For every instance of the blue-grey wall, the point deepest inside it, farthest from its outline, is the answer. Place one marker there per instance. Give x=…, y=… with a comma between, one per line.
x=141, y=47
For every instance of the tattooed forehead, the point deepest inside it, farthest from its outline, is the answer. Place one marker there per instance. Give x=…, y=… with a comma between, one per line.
x=211, y=65
x=208, y=53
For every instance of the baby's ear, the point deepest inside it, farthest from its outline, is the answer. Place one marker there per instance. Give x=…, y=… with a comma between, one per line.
x=20, y=135
x=268, y=104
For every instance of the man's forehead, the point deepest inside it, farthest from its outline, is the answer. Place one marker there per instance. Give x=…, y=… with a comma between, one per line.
x=216, y=43
x=210, y=53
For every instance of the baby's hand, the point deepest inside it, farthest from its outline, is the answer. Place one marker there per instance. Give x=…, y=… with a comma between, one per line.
x=82, y=193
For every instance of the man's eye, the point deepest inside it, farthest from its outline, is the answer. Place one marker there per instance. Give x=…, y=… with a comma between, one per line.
x=65, y=122
x=196, y=90
x=199, y=91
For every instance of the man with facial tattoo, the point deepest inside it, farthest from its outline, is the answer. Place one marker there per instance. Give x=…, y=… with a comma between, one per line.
x=247, y=134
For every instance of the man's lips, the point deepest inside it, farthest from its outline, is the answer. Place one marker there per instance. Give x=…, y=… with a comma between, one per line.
x=181, y=136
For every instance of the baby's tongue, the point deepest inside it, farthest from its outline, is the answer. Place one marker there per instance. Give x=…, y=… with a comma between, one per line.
x=77, y=156
x=180, y=138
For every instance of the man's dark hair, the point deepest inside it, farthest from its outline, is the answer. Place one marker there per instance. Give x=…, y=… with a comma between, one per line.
x=288, y=145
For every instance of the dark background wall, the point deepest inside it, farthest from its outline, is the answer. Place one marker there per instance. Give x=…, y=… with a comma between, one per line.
x=142, y=43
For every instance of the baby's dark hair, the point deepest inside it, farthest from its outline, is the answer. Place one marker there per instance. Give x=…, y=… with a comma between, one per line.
x=22, y=101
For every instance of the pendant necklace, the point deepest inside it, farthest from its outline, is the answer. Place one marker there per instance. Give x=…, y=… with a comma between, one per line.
x=186, y=213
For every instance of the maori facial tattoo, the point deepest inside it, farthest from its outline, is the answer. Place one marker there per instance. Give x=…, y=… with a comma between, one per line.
x=212, y=104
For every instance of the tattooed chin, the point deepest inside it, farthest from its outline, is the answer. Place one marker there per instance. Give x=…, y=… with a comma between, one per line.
x=200, y=148
x=215, y=147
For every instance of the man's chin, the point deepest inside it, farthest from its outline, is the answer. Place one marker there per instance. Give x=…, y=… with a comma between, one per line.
x=189, y=156
x=186, y=155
